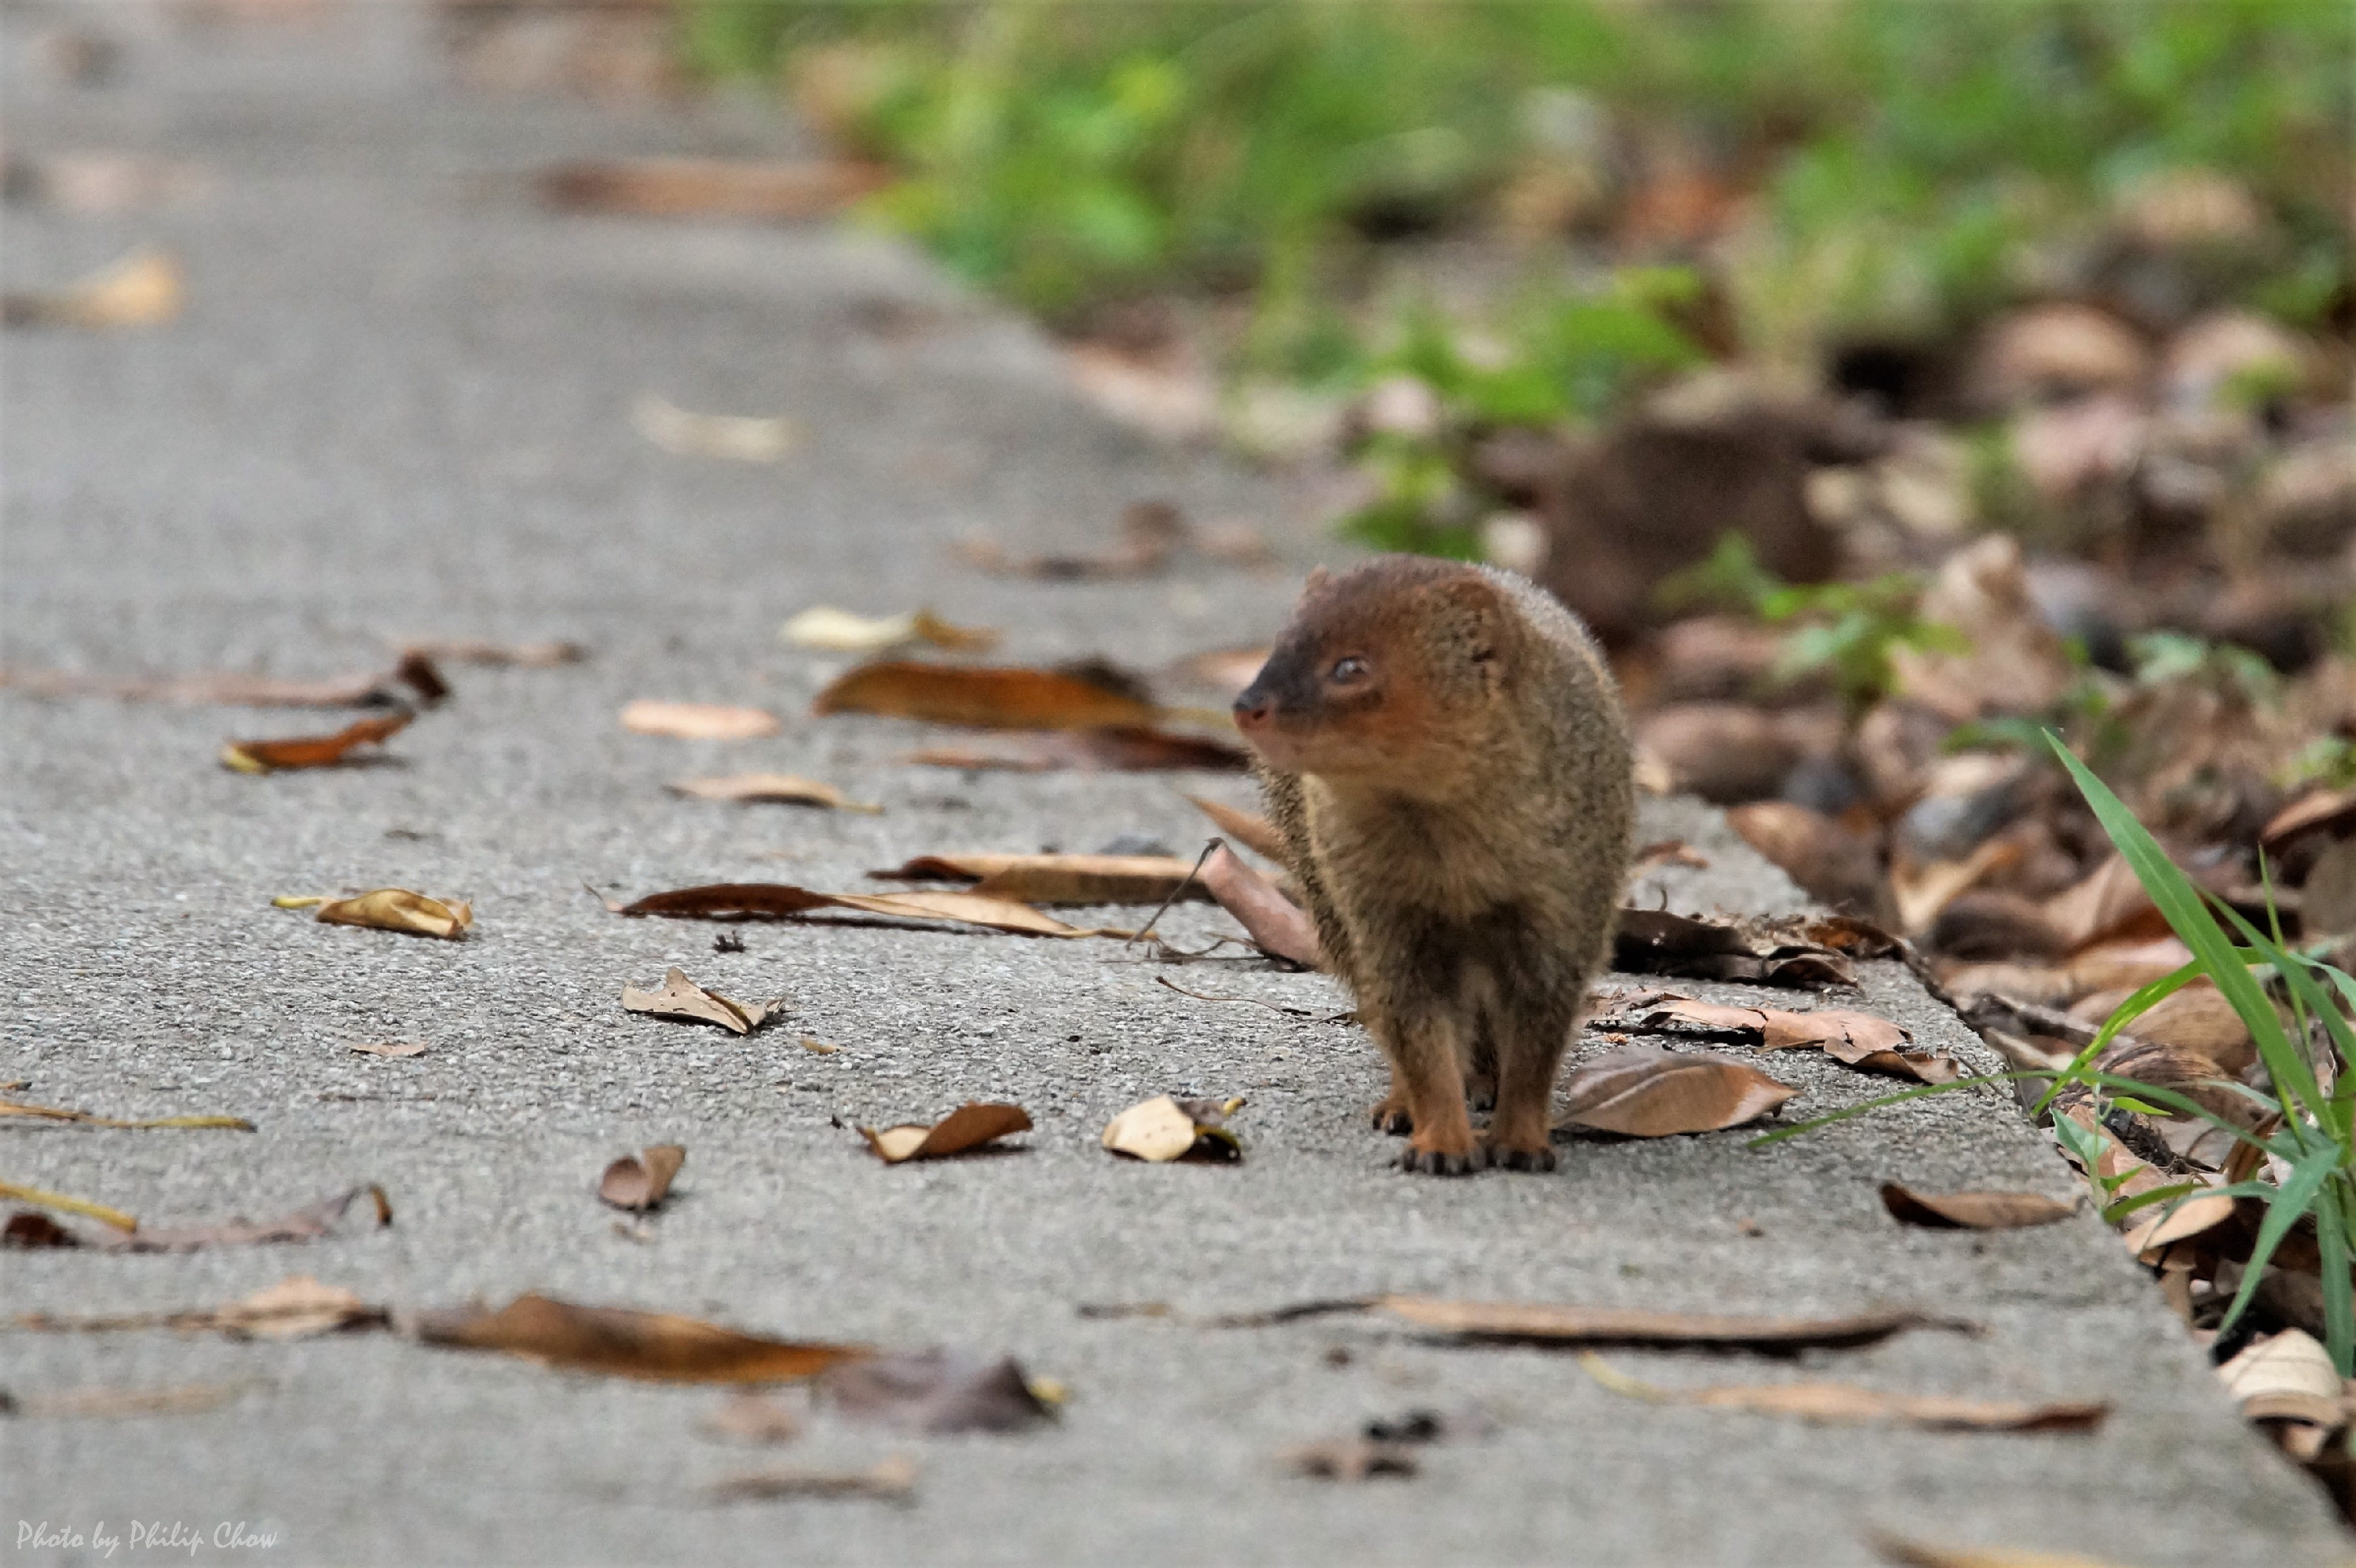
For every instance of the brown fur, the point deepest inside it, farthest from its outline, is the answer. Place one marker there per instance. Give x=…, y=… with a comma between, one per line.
x=1458, y=812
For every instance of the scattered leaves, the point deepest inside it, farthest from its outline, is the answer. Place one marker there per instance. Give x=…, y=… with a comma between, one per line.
x=783, y=788
x=658, y=1346
x=1647, y=1092
x=739, y=438
x=1972, y=1211
x=985, y=699
x=391, y=909
x=698, y=721
x=937, y=1392
x=782, y=901
x=640, y=1181
x=1766, y=953
x=312, y=752
x=1845, y=1404
x=969, y=1127
x=1278, y=926
x=841, y=632
x=297, y=1307
x=1058, y=879
x=891, y=1481
x=1164, y=1129
x=1858, y=1040
x=681, y=998
x=145, y=288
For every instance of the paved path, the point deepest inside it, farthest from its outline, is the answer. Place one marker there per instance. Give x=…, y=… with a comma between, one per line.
x=397, y=406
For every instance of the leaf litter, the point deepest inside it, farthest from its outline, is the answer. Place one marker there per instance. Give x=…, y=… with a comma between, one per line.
x=782, y=901
x=682, y=998
x=1166, y=1128
x=1058, y=879
x=312, y=752
x=20, y=1193
x=297, y=1307
x=987, y=699
x=641, y=1181
x=1865, y=1040
x=781, y=788
x=966, y=1128
x=389, y=909
x=1648, y=1093
x=837, y=631
x=305, y=1224
x=623, y=1342
x=1847, y=1403
x=1552, y=1324
x=1972, y=1211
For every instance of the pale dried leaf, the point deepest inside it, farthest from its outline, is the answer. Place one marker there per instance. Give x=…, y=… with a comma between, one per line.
x=1163, y=1129
x=1973, y=1211
x=2291, y=1362
x=1276, y=925
x=1924, y=1554
x=752, y=1418
x=145, y=288
x=737, y=437
x=106, y=1404
x=305, y=1224
x=781, y=900
x=297, y=1307
x=1645, y=1091
x=782, y=788
x=640, y=1181
x=698, y=721
x=388, y=1048
x=681, y=998
x=1546, y=1324
x=969, y=1127
x=398, y=909
x=839, y=630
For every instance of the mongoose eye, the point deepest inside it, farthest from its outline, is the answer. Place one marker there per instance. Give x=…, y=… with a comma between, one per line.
x=1346, y=670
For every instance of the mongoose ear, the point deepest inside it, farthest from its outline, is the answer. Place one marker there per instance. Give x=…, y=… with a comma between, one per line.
x=1318, y=579
x=1478, y=613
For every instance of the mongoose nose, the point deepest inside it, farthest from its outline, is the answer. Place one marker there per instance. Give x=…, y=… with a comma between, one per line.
x=1252, y=711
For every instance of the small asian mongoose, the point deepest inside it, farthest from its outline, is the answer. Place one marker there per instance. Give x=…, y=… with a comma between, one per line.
x=1444, y=754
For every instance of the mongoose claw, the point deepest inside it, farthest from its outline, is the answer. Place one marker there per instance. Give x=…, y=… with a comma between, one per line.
x=1438, y=1162
x=1499, y=1157
x=1393, y=1118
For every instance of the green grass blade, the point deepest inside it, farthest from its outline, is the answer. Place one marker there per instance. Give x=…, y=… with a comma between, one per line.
x=1780, y=1134
x=2294, y=1197
x=2339, y=1311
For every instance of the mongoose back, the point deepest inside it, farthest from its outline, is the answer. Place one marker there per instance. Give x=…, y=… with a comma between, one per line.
x=1443, y=752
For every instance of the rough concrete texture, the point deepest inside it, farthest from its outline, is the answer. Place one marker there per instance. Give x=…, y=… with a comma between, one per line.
x=397, y=406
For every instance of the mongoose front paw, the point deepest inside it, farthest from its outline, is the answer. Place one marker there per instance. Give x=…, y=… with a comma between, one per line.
x=1437, y=1162
x=1390, y=1116
x=1498, y=1156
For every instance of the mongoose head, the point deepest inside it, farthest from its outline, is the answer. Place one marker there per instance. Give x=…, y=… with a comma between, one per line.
x=1386, y=677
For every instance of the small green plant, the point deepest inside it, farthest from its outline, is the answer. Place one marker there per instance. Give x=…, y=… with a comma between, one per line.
x=2306, y=1122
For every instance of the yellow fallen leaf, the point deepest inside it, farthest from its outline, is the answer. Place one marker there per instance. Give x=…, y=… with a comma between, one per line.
x=737, y=437
x=398, y=909
x=48, y=1199
x=1164, y=1129
x=144, y=288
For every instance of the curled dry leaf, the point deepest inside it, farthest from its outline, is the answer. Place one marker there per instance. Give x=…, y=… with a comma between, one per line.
x=1630, y=1326
x=739, y=438
x=1350, y=1459
x=390, y=1048
x=709, y=187
x=29, y=1229
x=305, y=1224
x=2292, y=1362
x=92, y=1119
x=391, y=909
x=782, y=901
x=1647, y=1092
x=969, y=1127
x=1249, y=828
x=1972, y=1211
x=937, y=1392
x=1125, y=749
x=639, y=1181
x=751, y=1417
x=297, y=1307
x=681, y=998
x=1767, y=953
x=1164, y=1129
x=1844, y=1403
x=313, y=752
x=1278, y=926
x=783, y=788
x=659, y=1346
x=1058, y=879
x=416, y=673
x=144, y=288
x=987, y=698
x=891, y=1481
x=1855, y=1038
x=841, y=632
x=59, y=1201
x=698, y=721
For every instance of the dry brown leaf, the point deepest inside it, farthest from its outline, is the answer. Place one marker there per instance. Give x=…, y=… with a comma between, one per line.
x=710, y=187
x=640, y=1181
x=1249, y=828
x=783, y=788
x=739, y=438
x=1164, y=1129
x=1058, y=879
x=393, y=909
x=681, y=998
x=2153, y=1231
x=1924, y=1554
x=1278, y=926
x=2108, y=901
x=1121, y=749
x=29, y=1229
x=1350, y=1459
x=1845, y=1404
x=2292, y=1362
x=969, y=1127
x=1972, y=1211
x=297, y=1307
x=937, y=1392
x=659, y=1346
x=891, y=1481
x=1767, y=953
x=1922, y=889
x=477, y=651
x=749, y=1417
x=145, y=288
x=415, y=672
x=987, y=699
x=1647, y=1092
x=782, y=901
x=1546, y=1324
x=839, y=630
x=92, y=1119
x=698, y=721
x=105, y=1403
x=305, y=1224
x=390, y=1048
x=1854, y=1039
x=313, y=752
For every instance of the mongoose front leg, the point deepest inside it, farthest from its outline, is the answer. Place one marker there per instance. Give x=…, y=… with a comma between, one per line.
x=1426, y=1069
x=1530, y=1054
x=1390, y=1114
